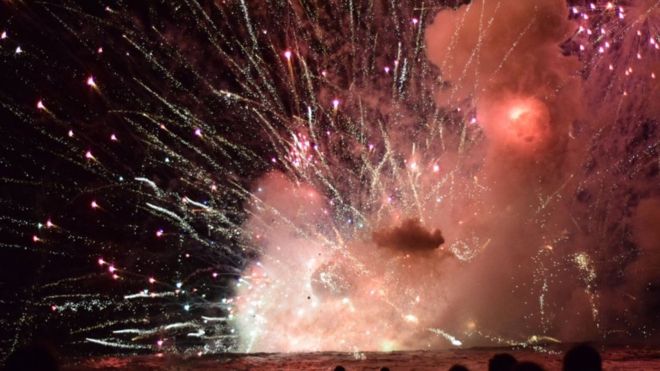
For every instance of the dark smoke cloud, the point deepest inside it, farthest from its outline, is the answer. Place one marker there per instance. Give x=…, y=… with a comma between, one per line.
x=410, y=235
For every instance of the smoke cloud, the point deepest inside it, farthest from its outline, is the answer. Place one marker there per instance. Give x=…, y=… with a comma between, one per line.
x=524, y=216
x=410, y=235
x=505, y=57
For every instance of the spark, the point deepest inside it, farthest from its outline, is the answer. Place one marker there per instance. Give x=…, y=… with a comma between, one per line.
x=90, y=82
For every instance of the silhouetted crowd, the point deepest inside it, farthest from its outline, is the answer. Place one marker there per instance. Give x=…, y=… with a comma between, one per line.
x=579, y=358
x=582, y=357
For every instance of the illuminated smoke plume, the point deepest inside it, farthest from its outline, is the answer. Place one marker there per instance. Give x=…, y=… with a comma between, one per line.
x=505, y=58
x=307, y=292
x=525, y=268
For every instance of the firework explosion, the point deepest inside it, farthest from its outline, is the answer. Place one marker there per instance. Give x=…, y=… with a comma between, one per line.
x=343, y=175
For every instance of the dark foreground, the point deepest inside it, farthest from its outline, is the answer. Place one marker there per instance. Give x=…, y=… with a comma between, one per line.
x=476, y=359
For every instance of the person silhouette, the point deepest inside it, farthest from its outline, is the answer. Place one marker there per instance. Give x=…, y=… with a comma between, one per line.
x=458, y=367
x=31, y=357
x=340, y=368
x=502, y=362
x=582, y=357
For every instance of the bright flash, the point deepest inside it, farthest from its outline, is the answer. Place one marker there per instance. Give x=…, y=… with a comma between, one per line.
x=91, y=82
x=411, y=318
x=517, y=112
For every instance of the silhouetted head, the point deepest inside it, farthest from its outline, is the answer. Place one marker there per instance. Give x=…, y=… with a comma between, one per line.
x=458, y=368
x=502, y=362
x=582, y=357
x=384, y=369
x=31, y=357
x=340, y=368
x=528, y=366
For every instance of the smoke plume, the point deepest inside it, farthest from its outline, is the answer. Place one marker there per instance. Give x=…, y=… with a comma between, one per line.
x=525, y=215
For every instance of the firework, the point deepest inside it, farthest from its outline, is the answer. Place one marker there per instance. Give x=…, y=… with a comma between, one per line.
x=355, y=175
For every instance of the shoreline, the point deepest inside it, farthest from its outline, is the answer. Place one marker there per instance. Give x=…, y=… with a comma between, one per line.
x=614, y=358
